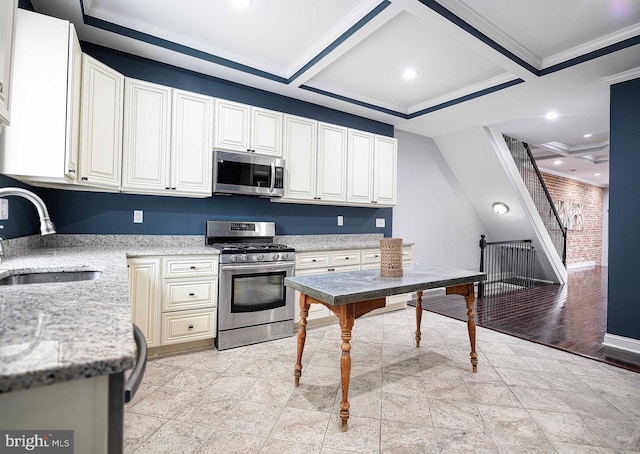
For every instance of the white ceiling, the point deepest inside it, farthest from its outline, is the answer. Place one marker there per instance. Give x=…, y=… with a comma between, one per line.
x=495, y=63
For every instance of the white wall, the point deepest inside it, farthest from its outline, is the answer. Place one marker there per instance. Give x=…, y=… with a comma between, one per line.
x=431, y=210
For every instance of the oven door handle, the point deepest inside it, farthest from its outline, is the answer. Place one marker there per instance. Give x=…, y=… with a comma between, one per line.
x=276, y=266
x=272, y=185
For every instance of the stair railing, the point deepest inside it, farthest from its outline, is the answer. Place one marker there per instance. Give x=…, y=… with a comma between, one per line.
x=540, y=194
x=510, y=266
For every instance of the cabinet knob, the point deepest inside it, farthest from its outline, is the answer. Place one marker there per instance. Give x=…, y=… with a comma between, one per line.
x=331, y=269
x=193, y=267
x=71, y=170
x=1, y=87
x=313, y=260
x=192, y=294
x=84, y=178
x=190, y=326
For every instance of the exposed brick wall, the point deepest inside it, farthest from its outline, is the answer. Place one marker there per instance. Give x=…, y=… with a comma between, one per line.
x=582, y=245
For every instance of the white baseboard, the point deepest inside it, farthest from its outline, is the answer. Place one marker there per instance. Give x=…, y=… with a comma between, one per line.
x=581, y=265
x=623, y=348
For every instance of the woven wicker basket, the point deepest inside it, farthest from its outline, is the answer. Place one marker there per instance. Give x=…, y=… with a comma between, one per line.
x=391, y=257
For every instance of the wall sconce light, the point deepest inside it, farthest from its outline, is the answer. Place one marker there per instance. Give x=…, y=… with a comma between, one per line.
x=500, y=208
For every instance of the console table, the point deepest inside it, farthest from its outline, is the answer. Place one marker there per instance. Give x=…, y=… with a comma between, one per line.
x=353, y=294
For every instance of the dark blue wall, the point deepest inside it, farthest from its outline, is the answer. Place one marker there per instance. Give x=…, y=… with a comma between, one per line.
x=104, y=213
x=623, y=309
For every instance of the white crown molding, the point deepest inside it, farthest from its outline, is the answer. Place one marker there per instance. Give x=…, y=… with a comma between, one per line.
x=570, y=177
x=622, y=77
x=336, y=31
x=469, y=15
x=356, y=97
x=566, y=150
x=468, y=90
x=590, y=46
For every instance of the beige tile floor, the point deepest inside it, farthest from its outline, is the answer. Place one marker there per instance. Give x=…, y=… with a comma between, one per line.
x=524, y=398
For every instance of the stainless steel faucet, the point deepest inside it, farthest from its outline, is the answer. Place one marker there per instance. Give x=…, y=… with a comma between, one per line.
x=46, y=226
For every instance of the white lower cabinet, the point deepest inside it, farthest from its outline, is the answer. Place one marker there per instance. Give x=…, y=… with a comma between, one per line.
x=174, y=299
x=342, y=261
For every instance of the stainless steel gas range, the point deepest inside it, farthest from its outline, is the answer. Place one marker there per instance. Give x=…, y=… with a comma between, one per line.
x=253, y=303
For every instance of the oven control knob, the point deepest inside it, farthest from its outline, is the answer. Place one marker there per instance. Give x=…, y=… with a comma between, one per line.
x=284, y=256
x=232, y=258
x=243, y=258
x=260, y=258
x=275, y=256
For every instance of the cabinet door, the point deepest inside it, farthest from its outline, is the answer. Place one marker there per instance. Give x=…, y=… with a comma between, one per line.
x=385, y=170
x=100, y=124
x=7, y=22
x=74, y=85
x=144, y=296
x=300, y=157
x=232, y=126
x=332, y=163
x=191, y=143
x=360, y=167
x=147, y=122
x=266, y=131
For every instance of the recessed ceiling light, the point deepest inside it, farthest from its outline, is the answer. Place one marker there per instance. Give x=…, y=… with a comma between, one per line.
x=596, y=174
x=409, y=74
x=586, y=136
x=558, y=162
x=552, y=116
x=241, y=4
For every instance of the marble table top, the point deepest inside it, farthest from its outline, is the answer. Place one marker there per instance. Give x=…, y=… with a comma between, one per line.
x=364, y=285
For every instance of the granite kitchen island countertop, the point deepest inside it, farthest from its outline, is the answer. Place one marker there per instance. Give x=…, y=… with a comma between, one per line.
x=55, y=332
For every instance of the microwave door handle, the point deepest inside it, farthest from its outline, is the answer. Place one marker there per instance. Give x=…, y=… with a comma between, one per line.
x=273, y=176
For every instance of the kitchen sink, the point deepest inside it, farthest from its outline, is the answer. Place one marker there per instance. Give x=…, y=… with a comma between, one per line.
x=47, y=277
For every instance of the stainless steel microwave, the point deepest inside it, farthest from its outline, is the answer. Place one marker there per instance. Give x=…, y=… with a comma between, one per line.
x=248, y=174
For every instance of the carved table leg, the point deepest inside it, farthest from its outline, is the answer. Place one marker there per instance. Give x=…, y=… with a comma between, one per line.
x=346, y=325
x=302, y=336
x=418, y=318
x=467, y=291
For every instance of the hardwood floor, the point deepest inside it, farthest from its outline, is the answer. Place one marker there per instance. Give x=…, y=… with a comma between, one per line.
x=570, y=317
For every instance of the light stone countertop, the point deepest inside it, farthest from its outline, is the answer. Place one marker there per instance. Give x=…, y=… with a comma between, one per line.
x=355, y=286
x=308, y=243
x=56, y=332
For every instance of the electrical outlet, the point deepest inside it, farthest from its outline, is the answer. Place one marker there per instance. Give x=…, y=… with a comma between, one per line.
x=137, y=216
x=4, y=209
x=340, y=220
x=379, y=222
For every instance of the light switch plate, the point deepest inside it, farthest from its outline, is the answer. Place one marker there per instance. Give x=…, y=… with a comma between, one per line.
x=137, y=216
x=340, y=220
x=4, y=209
x=379, y=222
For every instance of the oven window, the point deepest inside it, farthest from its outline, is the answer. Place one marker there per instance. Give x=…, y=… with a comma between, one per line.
x=257, y=292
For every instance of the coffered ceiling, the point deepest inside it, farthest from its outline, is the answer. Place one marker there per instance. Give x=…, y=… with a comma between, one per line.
x=498, y=63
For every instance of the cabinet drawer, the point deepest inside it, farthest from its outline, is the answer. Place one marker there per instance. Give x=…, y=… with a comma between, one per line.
x=371, y=255
x=187, y=326
x=191, y=265
x=189, y=294
x=340, y=258
x=312, y=259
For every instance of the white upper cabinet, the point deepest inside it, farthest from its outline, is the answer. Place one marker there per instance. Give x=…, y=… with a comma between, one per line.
x=191, y=143
x=167, y=141
x=100, y=157
x=360, y=167
x=240, y=127
x=332, y=163
x=7, y=27
x=385, y=168
x=146, y=136
x=41, y=144
x=372, y=169
x=300, y=148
